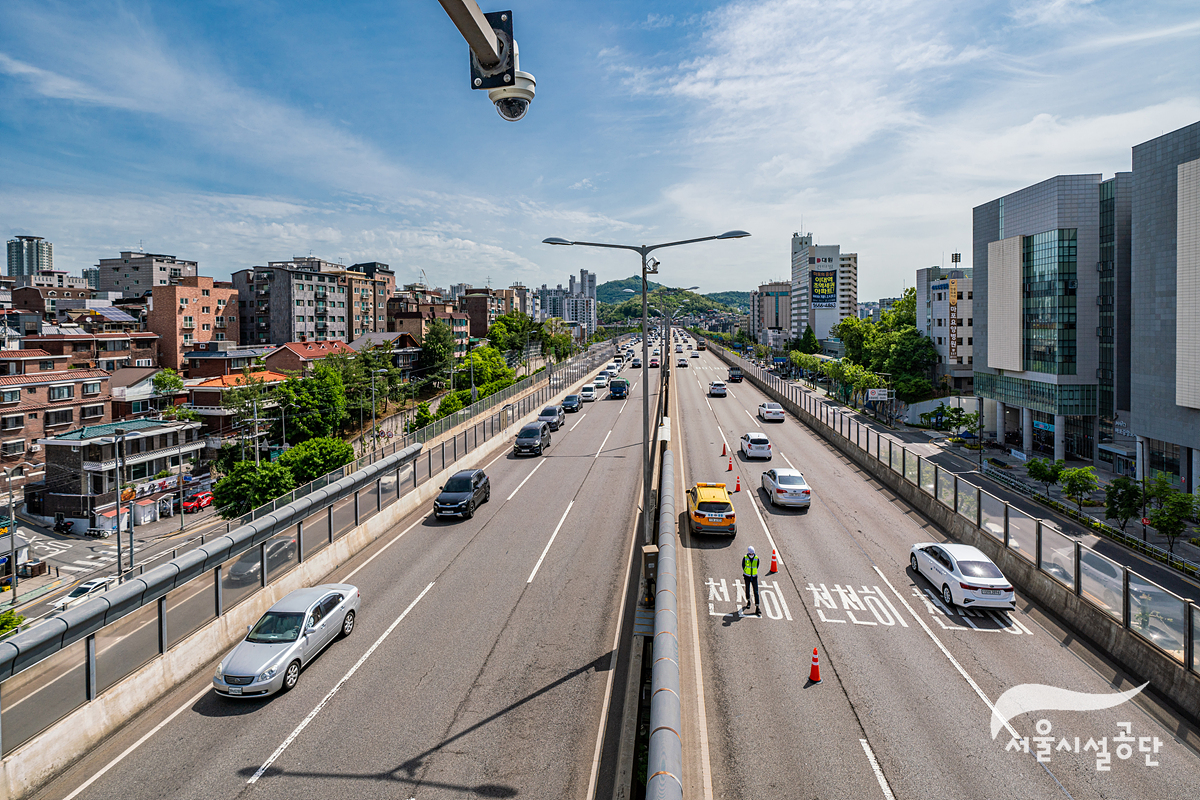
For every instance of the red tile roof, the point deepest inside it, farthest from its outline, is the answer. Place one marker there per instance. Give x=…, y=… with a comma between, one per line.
x=24, y=354
x=227, y=381
x=60, y=376
x=313, y=350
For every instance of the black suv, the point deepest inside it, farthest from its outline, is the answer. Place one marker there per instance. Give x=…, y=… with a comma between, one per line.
x=572, y=403
x=532, y=439
x=463, y=493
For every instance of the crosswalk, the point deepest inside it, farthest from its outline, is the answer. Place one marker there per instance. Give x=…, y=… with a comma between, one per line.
x=94, y=561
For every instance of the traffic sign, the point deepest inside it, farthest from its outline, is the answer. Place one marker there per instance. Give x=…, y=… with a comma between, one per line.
x=1145, y=520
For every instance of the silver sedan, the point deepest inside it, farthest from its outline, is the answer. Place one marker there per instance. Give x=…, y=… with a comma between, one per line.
x=289, y=636
x=786, y=487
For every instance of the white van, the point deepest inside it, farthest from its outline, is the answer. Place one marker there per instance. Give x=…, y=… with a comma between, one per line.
x=587, y=394
x=611, y=368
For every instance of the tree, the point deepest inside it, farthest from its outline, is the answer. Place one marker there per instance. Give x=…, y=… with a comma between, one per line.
x=248, y=486
x=421, y=418
x=1160, y=489
x=1078, y=484
x=311, y=407
x=1045, y=471
x=438, y=347
x=809, y=342
x=316, y=457
x=1122, y=500
x=10, y=619
x=1171, y=517
x=227, y=457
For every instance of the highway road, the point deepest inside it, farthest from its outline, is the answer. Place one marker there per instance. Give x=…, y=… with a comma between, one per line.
x=904, y=707
x=481, y=664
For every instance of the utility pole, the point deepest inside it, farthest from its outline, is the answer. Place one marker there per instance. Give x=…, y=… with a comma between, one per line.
x=254, y=404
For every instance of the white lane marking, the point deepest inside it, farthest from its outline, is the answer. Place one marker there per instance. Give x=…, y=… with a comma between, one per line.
x=527, y=477
x=622, y=408
x=685, y=539
x=731, y=394
x=503, y=453
x=379, y=552
x=552, y=537
x=754, y=504
x=581, y=416
x=883, y=784
x=788, y=460
x=751, y=416
x=710, y=408
x=601, y=450
x=970, y=681
x=312, y=714
x=591, y=795
x=723, y=439
x=73, y=569
x=100, y=773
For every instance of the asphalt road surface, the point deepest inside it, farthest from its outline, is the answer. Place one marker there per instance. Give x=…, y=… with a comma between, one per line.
x=479, y=666
x=904, y=707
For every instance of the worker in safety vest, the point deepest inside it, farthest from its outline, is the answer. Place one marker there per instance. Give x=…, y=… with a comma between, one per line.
x=750, y=573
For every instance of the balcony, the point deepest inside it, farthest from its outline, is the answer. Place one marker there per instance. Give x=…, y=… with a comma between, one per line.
x=320, y=291
x=321, y=307
x=322, y=324
x=262, y=292
x=263, y=326
x=187, y=323
x=138, y=458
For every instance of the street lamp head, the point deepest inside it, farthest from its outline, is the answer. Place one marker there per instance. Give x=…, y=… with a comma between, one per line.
x=556, y=240
x=629, y=291
x=690, y=288
x=733, y=235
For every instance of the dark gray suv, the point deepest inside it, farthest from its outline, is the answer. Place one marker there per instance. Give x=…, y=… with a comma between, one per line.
x=532, y=439
x=554, y=416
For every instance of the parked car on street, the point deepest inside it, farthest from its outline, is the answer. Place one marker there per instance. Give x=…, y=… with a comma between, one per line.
x=198, y=501
x=286, y=639
x=465, y=491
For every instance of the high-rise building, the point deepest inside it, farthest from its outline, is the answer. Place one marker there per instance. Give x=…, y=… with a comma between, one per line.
x=1163, y=306
x=771, y=313
x=91, y=275
x=950, y=324
x=1039, y=332
x=577, y=303
x=29, y=255
x=824, y=286
x=134, y=274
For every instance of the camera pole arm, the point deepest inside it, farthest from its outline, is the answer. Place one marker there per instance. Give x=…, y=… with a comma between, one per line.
x=474, y=27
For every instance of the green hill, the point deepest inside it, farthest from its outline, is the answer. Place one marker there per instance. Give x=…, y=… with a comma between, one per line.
x=662, y=298
x=738, y=300
x=610, y=291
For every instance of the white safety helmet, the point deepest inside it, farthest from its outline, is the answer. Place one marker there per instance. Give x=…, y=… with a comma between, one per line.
x=749, y=551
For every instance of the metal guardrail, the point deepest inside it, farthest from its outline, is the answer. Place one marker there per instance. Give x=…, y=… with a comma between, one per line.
x=665, y=766
x=1167, y=621
x=69, y=660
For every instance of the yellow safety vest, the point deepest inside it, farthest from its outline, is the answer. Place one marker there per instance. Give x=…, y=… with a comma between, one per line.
x=750, y=566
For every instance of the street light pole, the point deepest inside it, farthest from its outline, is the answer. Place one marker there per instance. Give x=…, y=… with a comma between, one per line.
x=179, y=451
x=374, y=424
x=12, y=530
x=118, y=438
x=644, y=251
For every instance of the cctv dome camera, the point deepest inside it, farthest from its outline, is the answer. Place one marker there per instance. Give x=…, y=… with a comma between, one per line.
x=513, y=101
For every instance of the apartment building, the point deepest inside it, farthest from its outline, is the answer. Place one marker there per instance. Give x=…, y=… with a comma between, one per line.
x=135, y=273
x=770, y=313
x=406, y=316
x=29, y=255
x=89, y=348
x=50, y=279
x=482, y=307
x=44, y=300
x=191, y=313
x=824, y=286
x=40, y=396
x=218, y=423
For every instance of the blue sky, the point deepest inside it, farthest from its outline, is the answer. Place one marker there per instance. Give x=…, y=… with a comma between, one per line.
x=239, y=132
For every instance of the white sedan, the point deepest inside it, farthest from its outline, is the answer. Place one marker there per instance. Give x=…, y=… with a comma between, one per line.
x=962, y=575
x=770, y=411
x=756, y=445
x=601, y=379
x=786, y=487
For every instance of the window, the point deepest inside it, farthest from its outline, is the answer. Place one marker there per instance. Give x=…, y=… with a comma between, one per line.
x=960, y=296
x=960, y=340
x=299, y=318
x=299, y=302
x=63, y=417
x=187, y=338
x=11, y=396
x=970, y=340
x=220, y=322
x=88, y=412
x=138, y=406
x=220, y=337
x=205, y=326
x=205, y=309
x=62, y=392
x=970, y=322
x=939, y=340
x=142, y=362
x=92, y=388
x=46, y=366
x=970, y=359
x=189, y=322
x=12, y=422
x=13, y=448
x=52, y=294
x=970, y=295
x=220, y=302
x=204, y=292
x=183, y=301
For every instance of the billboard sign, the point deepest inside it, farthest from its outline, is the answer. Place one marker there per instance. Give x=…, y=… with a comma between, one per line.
x=953, y=320
x=823, y=292
x=877, y=394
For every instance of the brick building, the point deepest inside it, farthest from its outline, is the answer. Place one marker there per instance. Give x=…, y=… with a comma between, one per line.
x=43, y=300
x=108, y=351
x=194, y=311
x=299, y=357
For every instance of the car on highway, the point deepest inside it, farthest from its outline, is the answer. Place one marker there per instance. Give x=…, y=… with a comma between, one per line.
x=710, y=510
x=601, y=379
x=655, y=353
x=286, y=639
x=654, y=363
x=84, y=592
x=587, y=394
x=695, y=354
x=279, y=550
x=681, y=362
x=771, y=411
x=962, y=575
x=465, y=491
x=637, y=363
x=532, y=439
x=717, y=389
x=198, y=501
x=755, y=445
x=786, y=487
x=554, y=416
x=678, y=348
x=618, y=389
x=572, y=403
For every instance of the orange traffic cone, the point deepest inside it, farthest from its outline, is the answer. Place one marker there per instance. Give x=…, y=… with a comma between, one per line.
x=730, y=464
x=814, y=675
x=738, y=486
x=723, y=453
x=774, y=562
